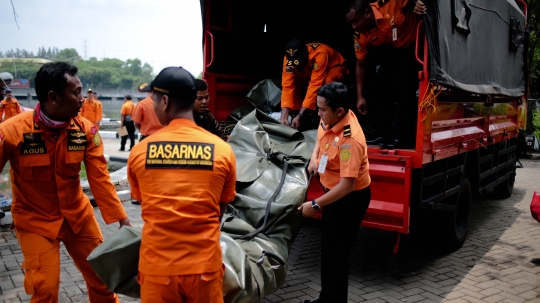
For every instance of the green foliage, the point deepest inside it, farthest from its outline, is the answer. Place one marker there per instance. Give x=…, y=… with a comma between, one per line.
x=105, y=73
x=536, y=123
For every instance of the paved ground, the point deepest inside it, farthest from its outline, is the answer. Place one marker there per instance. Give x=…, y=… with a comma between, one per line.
x=493, y=265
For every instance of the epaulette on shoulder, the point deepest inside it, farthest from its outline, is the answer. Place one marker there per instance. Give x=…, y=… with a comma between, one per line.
x=347, y=131
x=314, y=45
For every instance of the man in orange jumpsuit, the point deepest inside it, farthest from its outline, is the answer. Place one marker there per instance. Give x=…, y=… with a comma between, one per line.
x=45, y=148
x=100, y=106
x=389, y=29
x=90, y=108
x=307, y=67
x=144, y=117
x=126, y=112
x=184, y=177
x=10, y=106
x=340, y=158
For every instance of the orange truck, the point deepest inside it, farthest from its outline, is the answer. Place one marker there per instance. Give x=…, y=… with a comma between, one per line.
x=471, y=98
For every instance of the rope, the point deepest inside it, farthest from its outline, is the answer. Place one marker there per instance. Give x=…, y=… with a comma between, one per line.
x=430, y=101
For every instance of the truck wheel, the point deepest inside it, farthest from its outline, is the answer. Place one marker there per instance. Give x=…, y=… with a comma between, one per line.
x=457, y=223
x=505, y=189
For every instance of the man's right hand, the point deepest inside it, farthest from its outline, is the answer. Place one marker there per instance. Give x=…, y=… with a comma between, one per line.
x=420, y=8
x=312, y=168
x=361, y=105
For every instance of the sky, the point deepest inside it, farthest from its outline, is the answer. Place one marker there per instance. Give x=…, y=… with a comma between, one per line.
x=159, y=32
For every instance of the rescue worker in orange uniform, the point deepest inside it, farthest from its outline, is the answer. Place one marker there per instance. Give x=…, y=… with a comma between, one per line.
x=202, y=115
x=126, y=112
x=144, y=117
x=100, y=106
x=390, y=26
x=184, y=176
x=307, y=67
x=9, y=107
x=90, y=108
x=45, y=148
x=341, y=160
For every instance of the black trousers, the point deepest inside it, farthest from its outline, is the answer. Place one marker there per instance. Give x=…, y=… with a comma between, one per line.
x=392, y=91
x=341, y=221
x=130, y=126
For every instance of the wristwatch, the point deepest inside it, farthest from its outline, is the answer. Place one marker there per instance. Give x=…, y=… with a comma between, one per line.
x=315, y=205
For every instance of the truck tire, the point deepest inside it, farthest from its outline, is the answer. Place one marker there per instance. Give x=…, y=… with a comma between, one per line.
x=505, y=189
x=457, y=223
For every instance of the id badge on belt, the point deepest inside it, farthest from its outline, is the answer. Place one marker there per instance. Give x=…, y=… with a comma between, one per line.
x=323, y=162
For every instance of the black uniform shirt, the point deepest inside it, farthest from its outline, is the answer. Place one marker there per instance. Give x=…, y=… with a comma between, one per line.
x=209, y=122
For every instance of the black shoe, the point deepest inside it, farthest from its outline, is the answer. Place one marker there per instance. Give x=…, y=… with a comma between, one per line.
x=375, y=141
x=121, y=149
x=316, y=300
x=390, y=144
x=135, y=202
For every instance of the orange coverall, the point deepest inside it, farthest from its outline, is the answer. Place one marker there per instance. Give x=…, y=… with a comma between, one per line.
x=391, y=17
x=100, y=113
x=181, y=174
x=325, y=65
x=10, y=108
x=49, y=205
x=91, y=110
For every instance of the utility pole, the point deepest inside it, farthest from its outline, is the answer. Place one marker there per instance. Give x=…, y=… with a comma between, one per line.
x=14, y=66
x=85, y=50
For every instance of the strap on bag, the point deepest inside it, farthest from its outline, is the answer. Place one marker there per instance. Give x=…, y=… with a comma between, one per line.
x=286, y=159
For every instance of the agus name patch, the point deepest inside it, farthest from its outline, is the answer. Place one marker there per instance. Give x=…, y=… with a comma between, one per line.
x=180, y=155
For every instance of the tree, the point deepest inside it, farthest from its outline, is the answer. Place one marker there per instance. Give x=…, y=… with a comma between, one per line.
x=105, y=73
x=69, y=55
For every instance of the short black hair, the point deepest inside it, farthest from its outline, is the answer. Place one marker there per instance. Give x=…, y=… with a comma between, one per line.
x=336, y=95
x=359, y=5
x=52, y=76
x=201, y=85
x=128, y=97
x=179, y=104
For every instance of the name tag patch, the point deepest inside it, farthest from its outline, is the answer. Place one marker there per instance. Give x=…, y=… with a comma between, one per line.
x=76, y=141
x=180, y=155
x=33, y=144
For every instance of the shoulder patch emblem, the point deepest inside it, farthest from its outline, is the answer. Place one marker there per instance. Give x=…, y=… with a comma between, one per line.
x=347, y=131
x=315, y=46
x=97, y=139
x=344, y=155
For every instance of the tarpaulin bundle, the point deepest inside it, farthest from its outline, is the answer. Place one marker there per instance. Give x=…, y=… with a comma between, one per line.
x=272, y=183
x=260, y=225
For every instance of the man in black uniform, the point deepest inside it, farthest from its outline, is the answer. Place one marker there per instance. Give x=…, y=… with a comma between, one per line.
x=203, y=117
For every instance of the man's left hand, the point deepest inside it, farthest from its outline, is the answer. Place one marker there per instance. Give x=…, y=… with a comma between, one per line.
x=296, y=122
x=419, y=8
x=124, y=222
x=307, y=209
